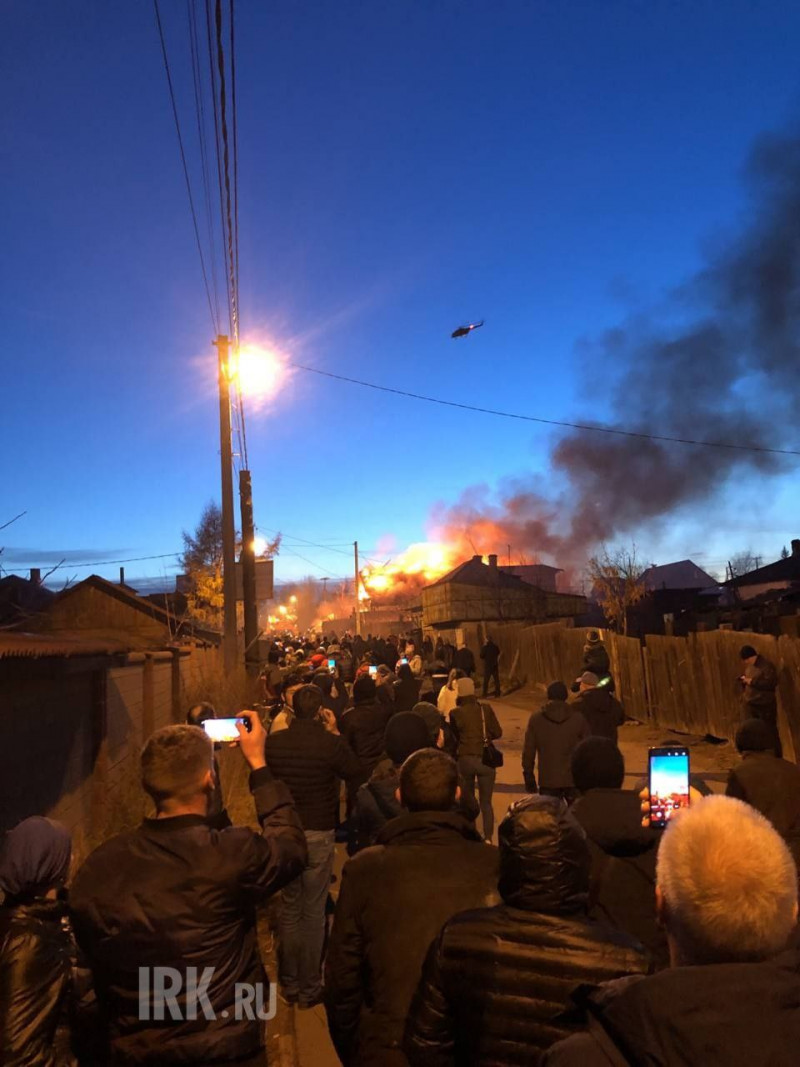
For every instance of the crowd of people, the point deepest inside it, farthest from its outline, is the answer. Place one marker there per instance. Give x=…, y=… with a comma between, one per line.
x=583, y=937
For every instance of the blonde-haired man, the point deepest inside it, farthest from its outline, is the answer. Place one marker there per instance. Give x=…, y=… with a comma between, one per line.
x=726, y=894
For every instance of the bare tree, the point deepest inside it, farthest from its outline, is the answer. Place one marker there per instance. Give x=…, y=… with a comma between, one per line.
x=784, y=552
x=616, y=577
x=742, y=563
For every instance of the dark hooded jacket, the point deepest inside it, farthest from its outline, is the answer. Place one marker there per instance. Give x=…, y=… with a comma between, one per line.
x=394, y=899
x=602, y=711
x=497, y=980
x=553, y=734
x=35, y=984
x=622, y=887
x=718, y=1015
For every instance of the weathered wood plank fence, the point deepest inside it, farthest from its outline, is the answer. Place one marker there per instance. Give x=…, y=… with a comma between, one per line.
x=679, y=683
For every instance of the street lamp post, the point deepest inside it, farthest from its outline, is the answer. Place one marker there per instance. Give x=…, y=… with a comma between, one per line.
x=228, y=530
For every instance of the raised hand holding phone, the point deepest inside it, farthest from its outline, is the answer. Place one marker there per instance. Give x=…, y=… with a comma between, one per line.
x=252, y=739
x=668, y=783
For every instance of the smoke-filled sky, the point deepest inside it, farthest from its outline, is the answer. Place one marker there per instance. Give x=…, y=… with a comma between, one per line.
x=614, y=187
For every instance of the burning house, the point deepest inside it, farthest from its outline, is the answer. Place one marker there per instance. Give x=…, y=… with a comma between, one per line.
x=478, y=592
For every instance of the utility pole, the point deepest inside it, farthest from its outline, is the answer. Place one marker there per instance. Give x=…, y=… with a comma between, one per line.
x=228, y=532
x=248, y=562
x=358, y=585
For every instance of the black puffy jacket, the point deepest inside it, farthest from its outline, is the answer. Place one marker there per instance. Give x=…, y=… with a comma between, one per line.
x=177, y=893
x=497, y=980
x=35, y=980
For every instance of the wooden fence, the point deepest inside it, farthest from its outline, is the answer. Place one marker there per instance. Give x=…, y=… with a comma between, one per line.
x=678, y=683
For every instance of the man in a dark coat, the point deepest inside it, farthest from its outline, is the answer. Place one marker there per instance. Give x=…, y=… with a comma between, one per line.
x=364, y=725
x=623, y=878
x=464, y=660
x=599, y=707
x=177, y=894
x=311, y=759
x=727, y=896
x=490, y=654
x=497, y=980
x=770, y=784
x=428, y=864
x=759, y=692
x=552, y=735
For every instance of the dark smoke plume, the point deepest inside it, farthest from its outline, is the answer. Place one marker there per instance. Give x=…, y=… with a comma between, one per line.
x=722, y=364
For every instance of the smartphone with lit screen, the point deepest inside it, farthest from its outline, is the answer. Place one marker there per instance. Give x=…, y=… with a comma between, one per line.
x=224, y=729
x=668, y=782
x=373, y=670
x=331, y=665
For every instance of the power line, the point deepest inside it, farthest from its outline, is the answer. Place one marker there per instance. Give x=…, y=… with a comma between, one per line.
x=183, y=161
x=641, y=435
x=200, y=112
x=100, y=562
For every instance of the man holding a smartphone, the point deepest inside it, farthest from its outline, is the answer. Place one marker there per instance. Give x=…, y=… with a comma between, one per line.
x=150, y=904
x=759, y=692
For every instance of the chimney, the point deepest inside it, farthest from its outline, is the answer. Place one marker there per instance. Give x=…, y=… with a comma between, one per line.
x=493, y=562
x=122, y=576
x=477, y=559
x=796, y=547
x=36, y=574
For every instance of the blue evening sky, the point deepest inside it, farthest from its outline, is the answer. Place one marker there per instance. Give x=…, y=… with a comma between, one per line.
x=405, y=165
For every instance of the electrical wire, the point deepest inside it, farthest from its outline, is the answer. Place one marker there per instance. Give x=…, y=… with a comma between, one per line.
x=101, y=562
x=218, y=153
x=200, y=113
x=640, y=434
x=183, y=161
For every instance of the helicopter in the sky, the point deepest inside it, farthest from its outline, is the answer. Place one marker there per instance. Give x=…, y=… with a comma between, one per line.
x=463, y=331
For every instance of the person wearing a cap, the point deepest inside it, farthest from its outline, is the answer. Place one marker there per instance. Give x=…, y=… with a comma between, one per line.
x=595, y=655
x=553, y=734
x=759, y=691
x=766, y=782
x=599, y=707
x=473, y=722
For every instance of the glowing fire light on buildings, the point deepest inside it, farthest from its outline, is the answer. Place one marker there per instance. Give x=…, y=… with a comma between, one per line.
x=406, y=574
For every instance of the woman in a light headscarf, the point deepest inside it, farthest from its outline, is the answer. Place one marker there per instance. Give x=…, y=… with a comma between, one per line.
x=36, y=948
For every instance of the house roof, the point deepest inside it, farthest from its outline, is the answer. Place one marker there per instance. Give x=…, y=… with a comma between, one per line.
x=127, y=596
x=21, y=598
x=684, y=574
x=62, y=645
x=783, y=570
x=476, y=572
